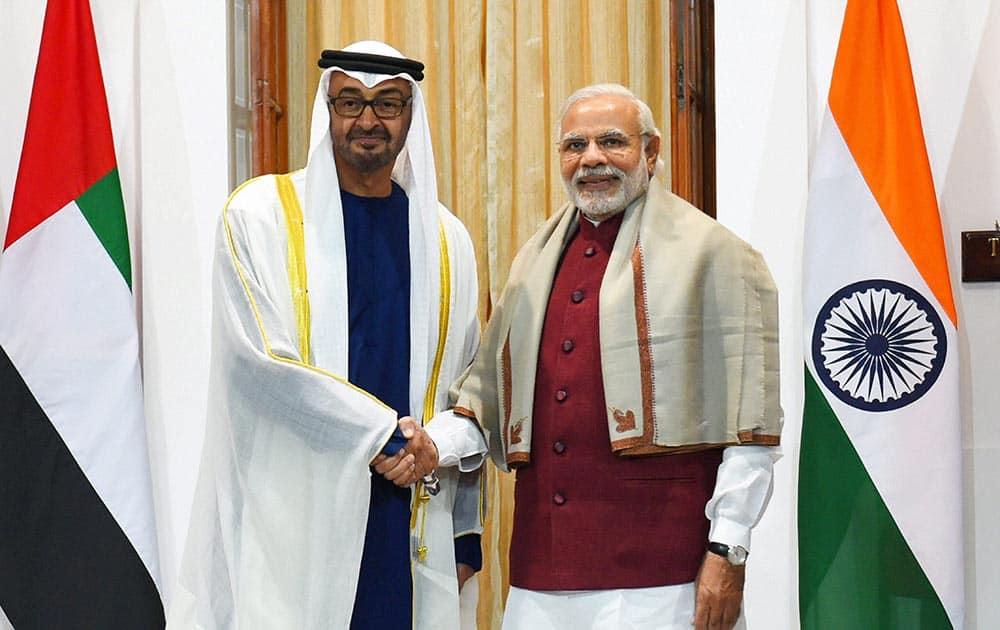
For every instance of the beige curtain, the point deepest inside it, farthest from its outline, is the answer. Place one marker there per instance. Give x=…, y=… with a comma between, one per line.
x=497, y=74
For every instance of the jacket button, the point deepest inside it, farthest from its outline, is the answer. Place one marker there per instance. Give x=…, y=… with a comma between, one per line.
x=559, y=448
x=561, y=395
x=576, y=296
x=590, y=251
x=558, y=499
x=567, y=346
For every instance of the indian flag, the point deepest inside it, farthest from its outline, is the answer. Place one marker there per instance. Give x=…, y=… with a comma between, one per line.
x=880, y=486
x=77, y=536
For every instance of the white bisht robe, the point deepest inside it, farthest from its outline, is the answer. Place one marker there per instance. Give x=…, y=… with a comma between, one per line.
x=278, y=520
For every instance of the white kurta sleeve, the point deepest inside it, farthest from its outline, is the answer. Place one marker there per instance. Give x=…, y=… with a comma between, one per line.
x=459, y=441
x=742, y=490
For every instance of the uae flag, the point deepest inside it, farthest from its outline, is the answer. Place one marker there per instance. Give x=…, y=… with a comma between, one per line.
x=880, y=490
x=77, y=535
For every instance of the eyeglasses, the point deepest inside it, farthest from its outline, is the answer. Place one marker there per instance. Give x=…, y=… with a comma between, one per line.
x=382, y=106
x=609, y=143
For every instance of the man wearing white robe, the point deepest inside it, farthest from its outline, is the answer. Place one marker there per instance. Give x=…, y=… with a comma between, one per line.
x=279, y=518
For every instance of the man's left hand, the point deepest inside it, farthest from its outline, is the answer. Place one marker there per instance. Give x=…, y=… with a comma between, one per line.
x=718, y=593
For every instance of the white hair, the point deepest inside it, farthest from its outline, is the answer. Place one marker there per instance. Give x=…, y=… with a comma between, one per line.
x=647, y=128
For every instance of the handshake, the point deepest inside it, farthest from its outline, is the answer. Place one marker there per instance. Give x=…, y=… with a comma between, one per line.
x=417, y=460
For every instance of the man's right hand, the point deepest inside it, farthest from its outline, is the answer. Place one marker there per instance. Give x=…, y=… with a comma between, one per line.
x=718, y=593
x=415, y=460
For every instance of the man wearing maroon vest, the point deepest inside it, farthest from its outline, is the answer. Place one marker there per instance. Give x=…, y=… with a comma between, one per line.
x=629, y=376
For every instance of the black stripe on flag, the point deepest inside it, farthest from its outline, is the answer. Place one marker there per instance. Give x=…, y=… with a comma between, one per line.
x=64, y=561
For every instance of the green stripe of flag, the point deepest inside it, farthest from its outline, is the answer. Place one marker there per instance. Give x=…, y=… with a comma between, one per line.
x=855, y=568
x=104, y=210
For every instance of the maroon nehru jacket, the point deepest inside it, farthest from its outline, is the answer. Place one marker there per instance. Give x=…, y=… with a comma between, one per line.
x=584, y=518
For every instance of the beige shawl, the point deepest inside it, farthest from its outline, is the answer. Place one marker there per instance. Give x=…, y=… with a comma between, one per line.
x=688, y=331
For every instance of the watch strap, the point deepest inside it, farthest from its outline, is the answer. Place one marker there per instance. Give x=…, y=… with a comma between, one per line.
x=736, y=556
x=719, y=549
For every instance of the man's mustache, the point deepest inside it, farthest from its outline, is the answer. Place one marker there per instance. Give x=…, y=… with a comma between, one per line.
x=598, y=171
x=377, y=132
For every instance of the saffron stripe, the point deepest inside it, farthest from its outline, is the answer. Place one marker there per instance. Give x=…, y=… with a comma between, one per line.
x=874, y=102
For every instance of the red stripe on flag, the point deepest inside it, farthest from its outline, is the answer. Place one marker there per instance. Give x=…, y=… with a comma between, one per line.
x=67, y=142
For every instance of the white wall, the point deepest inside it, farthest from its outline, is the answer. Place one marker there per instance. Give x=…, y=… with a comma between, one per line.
x=20, y=54
x=966, y=164
x=184, y=164
x=774, y=60
x=761, y=157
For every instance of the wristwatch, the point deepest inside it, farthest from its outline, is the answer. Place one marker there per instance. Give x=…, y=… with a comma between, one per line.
x=736, y=555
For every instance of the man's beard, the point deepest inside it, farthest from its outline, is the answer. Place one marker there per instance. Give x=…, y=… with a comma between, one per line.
x=602, y=204
x=363, y=160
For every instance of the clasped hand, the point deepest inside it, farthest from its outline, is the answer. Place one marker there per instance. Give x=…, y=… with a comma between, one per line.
x=415, y=460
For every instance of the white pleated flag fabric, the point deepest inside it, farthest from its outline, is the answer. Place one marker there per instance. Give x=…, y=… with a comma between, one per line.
x=880, y=490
